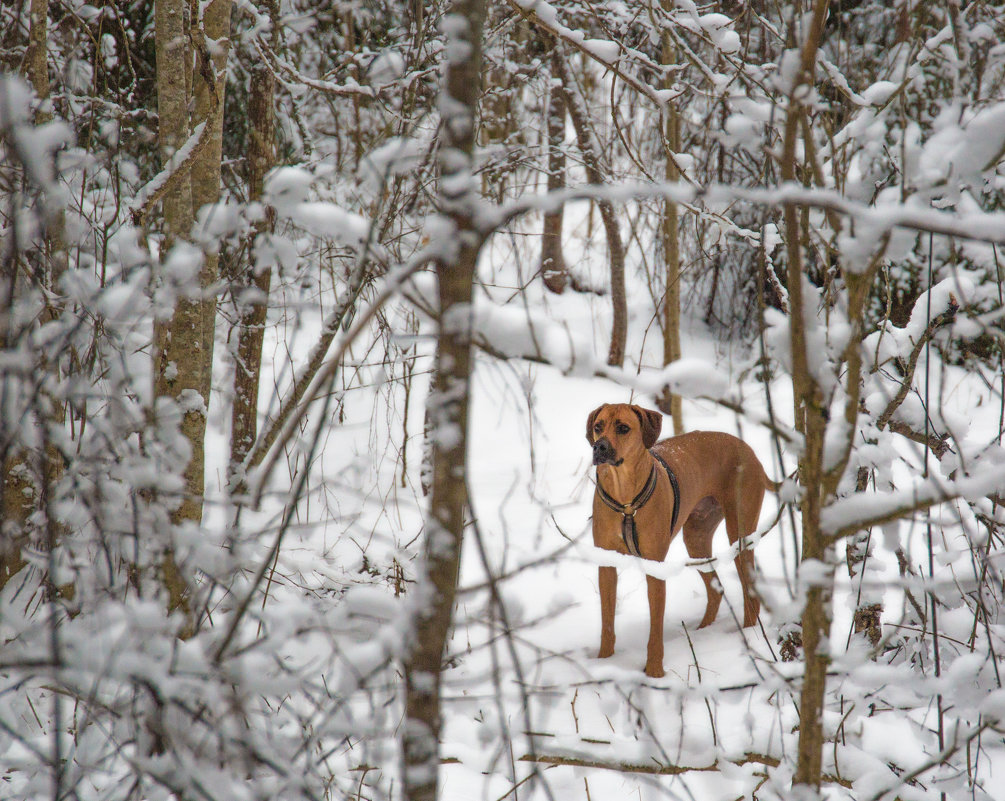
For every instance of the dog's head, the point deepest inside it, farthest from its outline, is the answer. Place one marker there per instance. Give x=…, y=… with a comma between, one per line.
x=619, y=430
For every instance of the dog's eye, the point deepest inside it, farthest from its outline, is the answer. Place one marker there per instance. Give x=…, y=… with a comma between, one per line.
x=622, y=429
x=598, y=427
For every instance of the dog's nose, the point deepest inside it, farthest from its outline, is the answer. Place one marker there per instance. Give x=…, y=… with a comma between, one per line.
x=602, y=451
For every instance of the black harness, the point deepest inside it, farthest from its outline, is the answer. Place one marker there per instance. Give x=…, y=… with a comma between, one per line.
x=629, y=532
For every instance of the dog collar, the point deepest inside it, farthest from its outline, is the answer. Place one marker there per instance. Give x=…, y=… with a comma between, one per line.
x=629, y=532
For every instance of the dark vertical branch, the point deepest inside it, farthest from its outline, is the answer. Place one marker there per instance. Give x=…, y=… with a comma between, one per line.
x=936, y=656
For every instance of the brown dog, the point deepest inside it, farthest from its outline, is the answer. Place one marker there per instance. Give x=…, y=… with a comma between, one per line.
x=717, y=476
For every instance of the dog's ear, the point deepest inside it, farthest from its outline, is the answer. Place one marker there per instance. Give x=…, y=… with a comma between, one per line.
x=590, y=421
x=651, y=422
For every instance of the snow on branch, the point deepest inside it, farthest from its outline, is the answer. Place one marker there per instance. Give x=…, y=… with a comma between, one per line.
x=653, y=767
x=605, y=52
x=150, y=194
x=978, y=226
x=32, y=145
x=860, y=511
x=351, y=88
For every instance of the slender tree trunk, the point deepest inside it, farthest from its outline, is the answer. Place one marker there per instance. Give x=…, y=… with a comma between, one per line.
x=811, y=420
x=178, y=343
x=615, y=247
x=36, y=69
x=671, y=402
x=448, y=408
x=21, y=480
x=18, y=496
x=37, y=73
x=186, y=344
x=251, y=325
x=209, y=82
x=185, y=357
x=173, y=95
x=554, y=272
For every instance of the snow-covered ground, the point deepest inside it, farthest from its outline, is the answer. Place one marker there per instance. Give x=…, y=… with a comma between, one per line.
x=530, y=686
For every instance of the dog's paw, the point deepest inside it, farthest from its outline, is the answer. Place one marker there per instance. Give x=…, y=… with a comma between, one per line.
x=654, y=671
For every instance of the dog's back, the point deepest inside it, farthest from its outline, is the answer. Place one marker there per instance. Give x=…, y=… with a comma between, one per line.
x=716, y=452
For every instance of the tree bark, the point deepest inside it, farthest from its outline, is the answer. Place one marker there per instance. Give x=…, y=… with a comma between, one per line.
x=178, y=344
x=173, y=89
x=447, y=406
x=36, y=68
x=251, y=324
x=37, y=73
x=185, y=353
x=615, y=247
x=811, y=420
x=185, y=346
x=22, y=489
x=209, y=82
x=554, y=272
x=670, y=403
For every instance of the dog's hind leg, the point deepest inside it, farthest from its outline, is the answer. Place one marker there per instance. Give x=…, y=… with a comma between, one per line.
x=698, y=530
x=742, y=513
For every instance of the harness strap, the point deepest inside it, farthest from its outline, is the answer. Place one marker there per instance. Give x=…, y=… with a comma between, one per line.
x=637, y=503
x=676, y=491
x=629, y=532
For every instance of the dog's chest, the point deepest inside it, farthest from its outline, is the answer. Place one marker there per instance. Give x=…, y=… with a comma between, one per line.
x=651, y=527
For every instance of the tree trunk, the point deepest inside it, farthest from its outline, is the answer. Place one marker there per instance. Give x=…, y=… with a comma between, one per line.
x=811, y=419
x=21, y=489
x=179, y=342
x=554, y=272
x=595, y=175
x=670, y=403
x=448, y=409
x=36, y=68
x=209, y=82
x=251, y=325
x=37, y=73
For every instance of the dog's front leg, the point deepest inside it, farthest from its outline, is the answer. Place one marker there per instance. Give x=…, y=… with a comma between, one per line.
x=608, y=600
x=657, y=603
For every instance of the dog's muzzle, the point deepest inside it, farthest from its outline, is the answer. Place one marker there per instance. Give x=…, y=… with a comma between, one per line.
x=603, y=452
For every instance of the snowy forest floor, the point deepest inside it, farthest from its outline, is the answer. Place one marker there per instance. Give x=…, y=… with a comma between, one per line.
x=527, y=691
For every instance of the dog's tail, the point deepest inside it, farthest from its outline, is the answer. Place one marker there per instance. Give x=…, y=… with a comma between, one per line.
x=776, y=486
